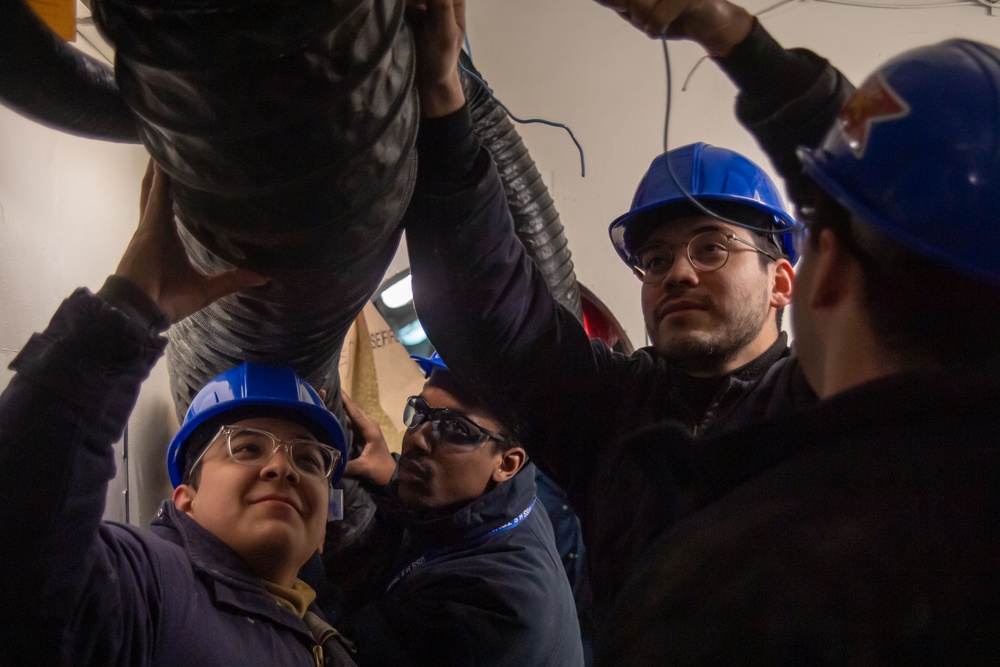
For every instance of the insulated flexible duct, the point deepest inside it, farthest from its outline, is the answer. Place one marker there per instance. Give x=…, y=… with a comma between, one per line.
x=536, y=221
x=44, y=78
x=288, y=130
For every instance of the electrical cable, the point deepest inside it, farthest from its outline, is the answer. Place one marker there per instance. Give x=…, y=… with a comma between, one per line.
x=868, y=5
x=523, y=121
x=680, y=186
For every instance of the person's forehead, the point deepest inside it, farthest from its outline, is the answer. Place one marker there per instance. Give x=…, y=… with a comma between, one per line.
x=680, y=230
x=279, y=426
x=436, y=396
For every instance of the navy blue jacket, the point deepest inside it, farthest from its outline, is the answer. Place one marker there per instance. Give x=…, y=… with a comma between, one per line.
x=483, y=585
x=76, y=591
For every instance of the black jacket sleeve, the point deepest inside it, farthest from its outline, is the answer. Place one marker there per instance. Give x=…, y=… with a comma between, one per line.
x=490, y=313
x=788, y=98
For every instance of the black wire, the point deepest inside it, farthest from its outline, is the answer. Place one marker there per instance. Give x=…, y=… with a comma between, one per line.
x=525, y=121
x=670, y=167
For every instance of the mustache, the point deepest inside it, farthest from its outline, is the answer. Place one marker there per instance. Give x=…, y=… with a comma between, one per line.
x=674, y=298
x=413, y=463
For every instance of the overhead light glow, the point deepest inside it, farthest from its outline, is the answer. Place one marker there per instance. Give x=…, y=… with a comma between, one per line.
x=412, y=333
x=398, y=294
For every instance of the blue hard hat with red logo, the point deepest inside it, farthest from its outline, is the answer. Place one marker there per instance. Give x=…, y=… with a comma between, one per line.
x=274, y=390
x=429, y=364
x=742, y=192
x=915, y=154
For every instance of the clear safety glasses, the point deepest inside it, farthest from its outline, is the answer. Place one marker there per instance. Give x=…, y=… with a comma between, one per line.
x=255, y=447
x=707, y=252
x=449, y=425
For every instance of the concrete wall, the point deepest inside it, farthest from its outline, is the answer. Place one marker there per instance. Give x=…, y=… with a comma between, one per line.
x=68, y=206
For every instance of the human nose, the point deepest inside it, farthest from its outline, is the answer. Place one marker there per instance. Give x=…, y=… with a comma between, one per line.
x=281, y=465
x=681, y=270
x=420, y=436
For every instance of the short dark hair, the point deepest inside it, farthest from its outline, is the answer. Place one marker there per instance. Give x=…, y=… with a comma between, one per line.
x=919, y=309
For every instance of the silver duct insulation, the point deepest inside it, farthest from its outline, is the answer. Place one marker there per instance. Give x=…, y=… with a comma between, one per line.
x=287, y=128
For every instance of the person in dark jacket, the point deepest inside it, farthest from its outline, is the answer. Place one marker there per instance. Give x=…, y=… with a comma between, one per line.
x=214, y=581
x=863, y=529
x=711, y=307
x=459, y=566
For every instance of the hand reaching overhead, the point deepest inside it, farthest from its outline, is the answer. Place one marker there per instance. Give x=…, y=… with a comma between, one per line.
x=717, y=25
x=156, y=261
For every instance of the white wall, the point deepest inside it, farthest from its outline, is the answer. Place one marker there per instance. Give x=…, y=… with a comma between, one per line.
x=68, y=206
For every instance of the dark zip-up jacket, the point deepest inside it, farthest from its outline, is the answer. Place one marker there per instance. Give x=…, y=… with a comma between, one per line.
x=482, y=585
x=76, y=591
x=490, y=314
x=860, y=531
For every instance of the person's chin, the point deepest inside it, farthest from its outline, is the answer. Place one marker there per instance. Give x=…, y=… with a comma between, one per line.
x=686, y=319
x=414, y=494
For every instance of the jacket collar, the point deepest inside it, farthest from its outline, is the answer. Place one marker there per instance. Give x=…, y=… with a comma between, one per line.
x=225, y=574
x=759, y=366
x=467, y=522
x=692, y=472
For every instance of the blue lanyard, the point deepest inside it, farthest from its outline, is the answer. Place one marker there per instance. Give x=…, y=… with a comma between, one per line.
x=431, y=554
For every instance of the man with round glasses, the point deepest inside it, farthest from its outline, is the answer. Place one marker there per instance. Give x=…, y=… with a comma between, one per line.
x=861, y=530
x=215, y=580
x=709, y=238
x=459, y=566
x=711, y=310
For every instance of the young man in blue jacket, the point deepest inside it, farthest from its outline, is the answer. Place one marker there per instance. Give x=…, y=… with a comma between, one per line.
x=215, y=579
x=459, y=566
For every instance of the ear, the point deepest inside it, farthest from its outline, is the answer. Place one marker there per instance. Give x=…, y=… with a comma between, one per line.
x=781, y=287
x=833, y=270
x=511, y=462
x=184, y=498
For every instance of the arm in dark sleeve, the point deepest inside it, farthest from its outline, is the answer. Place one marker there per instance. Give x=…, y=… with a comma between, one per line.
x=488, y=310
x=788, y=98
x=62, y=586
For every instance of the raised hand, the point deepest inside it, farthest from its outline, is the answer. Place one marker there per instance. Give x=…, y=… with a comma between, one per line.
x=375, y=462
x=156, y=261
x=438, y=29
x=717, y=25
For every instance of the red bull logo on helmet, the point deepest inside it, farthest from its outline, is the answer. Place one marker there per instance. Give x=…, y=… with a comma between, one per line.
x=874, y=102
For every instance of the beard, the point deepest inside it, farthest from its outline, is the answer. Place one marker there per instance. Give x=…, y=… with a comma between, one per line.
x=707, y=352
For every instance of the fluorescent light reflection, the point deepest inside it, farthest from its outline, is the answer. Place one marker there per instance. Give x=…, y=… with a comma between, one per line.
x=398, y=294
x=412, y=333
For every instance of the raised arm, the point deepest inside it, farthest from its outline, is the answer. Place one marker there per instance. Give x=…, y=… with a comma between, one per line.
x=788, y=97
x=482, y=302
x=73, y=589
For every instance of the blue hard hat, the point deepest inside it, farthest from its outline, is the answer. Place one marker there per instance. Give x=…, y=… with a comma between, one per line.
x=251, y=385
x=428, y=364
x=915, y=154
x=711, y=175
